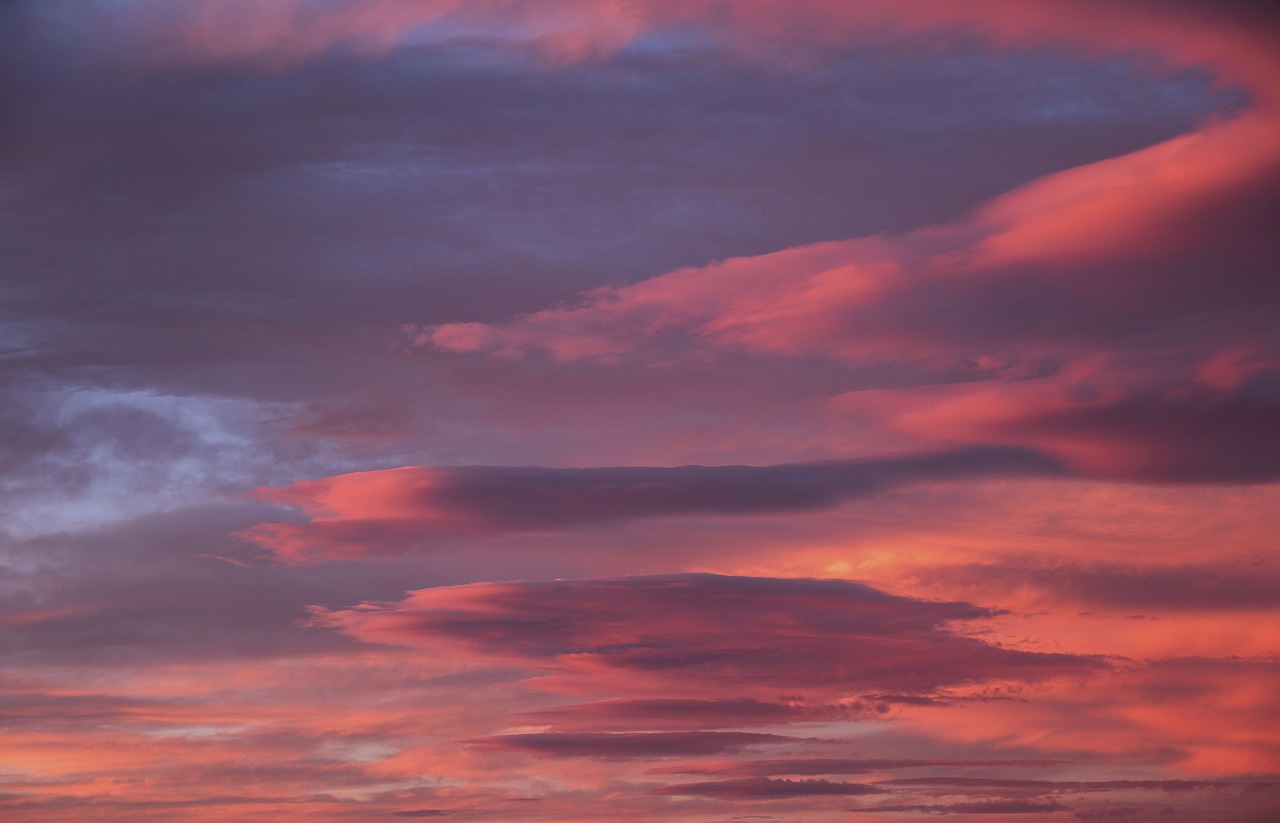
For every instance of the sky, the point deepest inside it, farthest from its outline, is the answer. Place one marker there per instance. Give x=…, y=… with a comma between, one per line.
x=769, y=411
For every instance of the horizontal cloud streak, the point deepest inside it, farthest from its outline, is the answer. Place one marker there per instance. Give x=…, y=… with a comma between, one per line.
x=765, y=789
x=385, y=512
x=638, y=745
x=1168, y=589
x=285, y=32
x=830, y=766
x=909, y=451
x=1173, y=434
x=983, y=807
x=699, y=713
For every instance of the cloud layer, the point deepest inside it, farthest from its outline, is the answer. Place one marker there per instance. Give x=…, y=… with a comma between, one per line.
x=677, y=411
x=709, y=634
x=372, y=513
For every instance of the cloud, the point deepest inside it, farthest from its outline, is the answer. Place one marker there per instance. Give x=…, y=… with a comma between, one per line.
x=1101, y=356
x=1038, y=786
x=693, y=635
x=306, y=204
x=700, y=713
x=173, y=586
x=844, y=765
x=273, y=188
x=1232, y=800
x=286, y=32
x=766, y=789
x=1003, y=261
x=1186, y=711
x=1107, y=260
x=386, y=512
x=1164, y=589
x=631, y=745
x=978, y=807
x=1022, y=268
x=1181, y=434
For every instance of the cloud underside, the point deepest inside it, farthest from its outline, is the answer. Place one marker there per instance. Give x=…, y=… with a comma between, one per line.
x=696, y=635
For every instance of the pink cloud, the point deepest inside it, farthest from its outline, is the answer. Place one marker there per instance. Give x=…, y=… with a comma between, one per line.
x=699, y=713
x=1038, y=422
x=291, y=30
x=1103, y=428
x=694, y=635
x=388, y=512
x=1027, y=292
x=1091, y=239
x=770, y=789
x=630, y=745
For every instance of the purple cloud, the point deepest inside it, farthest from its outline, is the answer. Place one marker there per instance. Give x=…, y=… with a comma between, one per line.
x=412, y=505
x=708, y=634
x=767, y=789
x=631, y=745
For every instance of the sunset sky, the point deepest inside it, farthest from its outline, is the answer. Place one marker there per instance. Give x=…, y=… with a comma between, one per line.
x=692, y=411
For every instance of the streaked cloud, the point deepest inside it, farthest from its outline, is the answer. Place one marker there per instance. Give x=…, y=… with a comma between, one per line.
x=670, y=411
